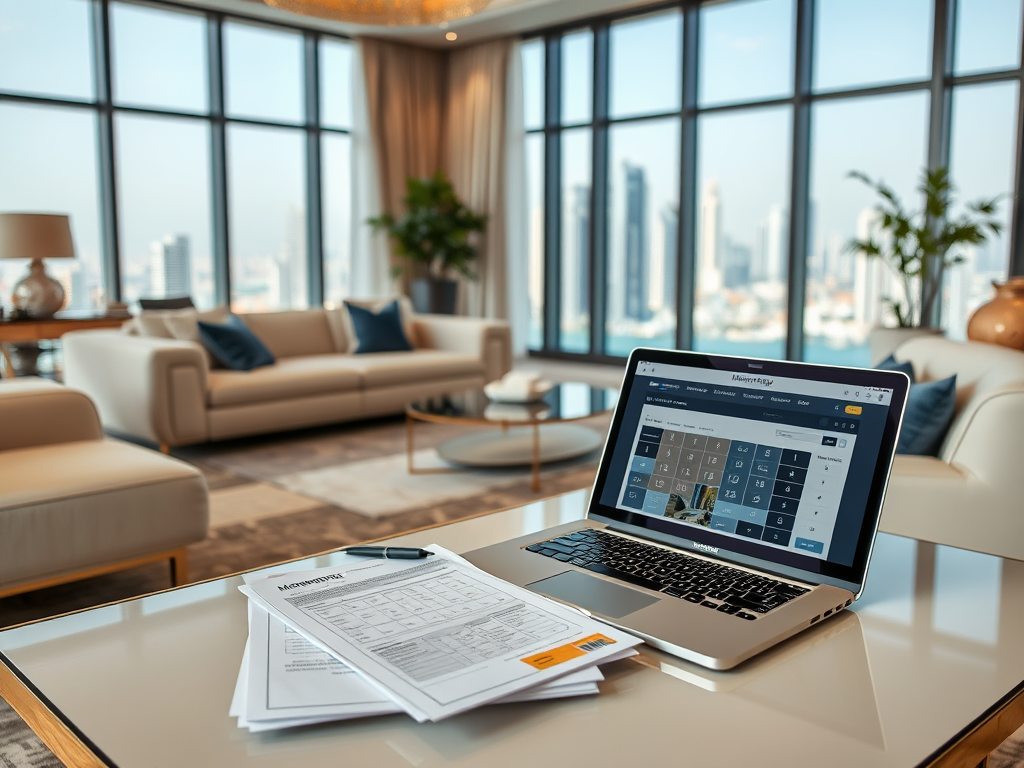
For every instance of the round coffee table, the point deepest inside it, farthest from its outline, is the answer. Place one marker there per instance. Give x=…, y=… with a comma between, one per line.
x=521, y=440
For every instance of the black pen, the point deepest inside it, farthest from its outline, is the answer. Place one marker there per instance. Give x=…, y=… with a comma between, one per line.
x=391, y=553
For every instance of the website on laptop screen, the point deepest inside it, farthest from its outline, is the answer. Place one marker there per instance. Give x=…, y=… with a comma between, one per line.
x=784, y=462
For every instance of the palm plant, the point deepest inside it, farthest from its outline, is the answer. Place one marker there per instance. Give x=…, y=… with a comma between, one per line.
x=919, y=246
x=433, y=234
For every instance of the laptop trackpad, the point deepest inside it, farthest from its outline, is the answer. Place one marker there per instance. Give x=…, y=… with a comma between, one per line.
x=594, y=594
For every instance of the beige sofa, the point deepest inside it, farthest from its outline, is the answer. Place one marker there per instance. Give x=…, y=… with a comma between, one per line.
x=164, y=390
x=75, y=504
x=969, y=496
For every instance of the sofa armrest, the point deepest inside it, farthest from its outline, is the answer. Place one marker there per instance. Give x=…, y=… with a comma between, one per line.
x=490, y=340
x=149, y=388
x=37, y=412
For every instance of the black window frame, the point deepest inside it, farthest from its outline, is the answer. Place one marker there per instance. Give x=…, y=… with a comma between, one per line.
x=940, y=86
x=105, y=108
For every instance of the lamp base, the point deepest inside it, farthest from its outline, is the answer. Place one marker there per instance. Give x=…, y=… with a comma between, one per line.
x=37, y=294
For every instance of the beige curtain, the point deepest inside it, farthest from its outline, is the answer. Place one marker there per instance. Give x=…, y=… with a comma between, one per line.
x=405, y=96
x=435, y=109
x=474, y=156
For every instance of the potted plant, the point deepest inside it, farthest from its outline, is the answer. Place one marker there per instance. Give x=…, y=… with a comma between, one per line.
x=919, y=246
x=433, y=238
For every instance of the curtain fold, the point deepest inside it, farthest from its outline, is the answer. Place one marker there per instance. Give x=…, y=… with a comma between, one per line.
x=405, y=94
x=368, y=255
x=517, y=224
x=474, y=156
x=427, y=110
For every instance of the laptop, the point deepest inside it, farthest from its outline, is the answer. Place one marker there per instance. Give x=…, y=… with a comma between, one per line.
x=736, y=504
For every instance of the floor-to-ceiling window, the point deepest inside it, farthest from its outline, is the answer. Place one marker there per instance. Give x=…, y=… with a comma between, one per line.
x=197, y=153
x=689, y=169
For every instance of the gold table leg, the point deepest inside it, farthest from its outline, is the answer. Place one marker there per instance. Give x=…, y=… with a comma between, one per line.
x=535, y=485
x=7, y=363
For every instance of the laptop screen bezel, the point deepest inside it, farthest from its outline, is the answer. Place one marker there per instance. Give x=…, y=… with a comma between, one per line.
x=786, y=563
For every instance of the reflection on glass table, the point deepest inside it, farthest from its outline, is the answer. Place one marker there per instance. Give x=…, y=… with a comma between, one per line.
x=925, y=669
x=521, y=441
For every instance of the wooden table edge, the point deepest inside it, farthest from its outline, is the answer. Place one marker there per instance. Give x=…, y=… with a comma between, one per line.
x=58, y=734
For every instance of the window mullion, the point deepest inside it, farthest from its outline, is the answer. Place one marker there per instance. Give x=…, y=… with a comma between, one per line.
x=314, y=186
x=107, y=171
x=598, y=235
x=686, y=243
x=552, y=192
x=218, y=161
x=800, y=180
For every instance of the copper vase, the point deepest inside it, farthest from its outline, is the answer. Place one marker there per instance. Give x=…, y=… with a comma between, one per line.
x=1001, y=321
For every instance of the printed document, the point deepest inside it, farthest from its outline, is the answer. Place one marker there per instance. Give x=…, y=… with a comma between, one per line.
x=437, y=636
x=286, y=681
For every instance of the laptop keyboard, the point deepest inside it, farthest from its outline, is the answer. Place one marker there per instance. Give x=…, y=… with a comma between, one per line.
x=712, y=585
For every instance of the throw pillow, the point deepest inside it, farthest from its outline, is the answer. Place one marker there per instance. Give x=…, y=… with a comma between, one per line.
x=930, y=408
x=892, y=364
x=233, y=345
x=378, y=331
x=340, y=322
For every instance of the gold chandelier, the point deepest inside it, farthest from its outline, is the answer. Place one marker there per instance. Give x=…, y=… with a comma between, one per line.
x=383, y=13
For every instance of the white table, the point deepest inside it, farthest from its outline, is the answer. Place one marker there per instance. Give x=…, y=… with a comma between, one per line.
x=928, y=670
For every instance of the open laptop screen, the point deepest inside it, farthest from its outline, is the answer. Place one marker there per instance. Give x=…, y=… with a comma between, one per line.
x=760, y=460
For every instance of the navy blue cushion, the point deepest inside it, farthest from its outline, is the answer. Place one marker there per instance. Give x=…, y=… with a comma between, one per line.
x=929, y=412
x=378, y=331
x=234, y=346
x=892, y=364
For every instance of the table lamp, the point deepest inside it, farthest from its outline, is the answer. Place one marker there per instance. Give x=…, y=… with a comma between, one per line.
x=36, y=236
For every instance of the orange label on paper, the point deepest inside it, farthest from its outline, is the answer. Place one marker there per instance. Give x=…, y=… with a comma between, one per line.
x=556, y=656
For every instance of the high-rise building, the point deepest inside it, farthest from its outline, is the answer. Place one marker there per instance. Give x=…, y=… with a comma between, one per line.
x=710, y=239
x=669, y=253
x=169, y=271
x=636, y=246
x=292, y=260
x=873, y=283
x=771, y=263
x=581, y=253
x=736, y=264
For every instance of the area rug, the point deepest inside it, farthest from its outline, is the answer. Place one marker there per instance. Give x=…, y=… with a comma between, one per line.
x=19, y=747
x=384, y=486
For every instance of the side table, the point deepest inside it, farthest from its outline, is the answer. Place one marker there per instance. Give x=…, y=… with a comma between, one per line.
x=28, y=331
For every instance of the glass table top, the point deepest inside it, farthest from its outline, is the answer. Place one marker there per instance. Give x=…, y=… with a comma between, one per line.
x=565, y=402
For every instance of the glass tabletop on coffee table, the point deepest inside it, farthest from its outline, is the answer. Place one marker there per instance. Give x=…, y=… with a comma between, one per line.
x=530, y=434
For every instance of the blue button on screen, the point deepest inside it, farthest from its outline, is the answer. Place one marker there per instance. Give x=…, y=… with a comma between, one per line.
x=810, y=546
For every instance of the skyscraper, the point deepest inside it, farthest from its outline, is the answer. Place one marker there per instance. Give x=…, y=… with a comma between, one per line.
x=873, y=283
x=670, y=244
x=710, y=239
x=637, y=255
x=581, y=228
x=169, y=270
x=771, y=262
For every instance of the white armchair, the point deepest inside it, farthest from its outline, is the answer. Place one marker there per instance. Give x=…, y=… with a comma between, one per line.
x=969, y=496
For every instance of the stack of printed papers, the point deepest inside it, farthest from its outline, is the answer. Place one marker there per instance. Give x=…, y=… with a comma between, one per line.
x=431, y=637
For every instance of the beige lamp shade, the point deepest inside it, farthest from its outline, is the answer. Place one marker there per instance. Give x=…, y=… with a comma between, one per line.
x=35, y=236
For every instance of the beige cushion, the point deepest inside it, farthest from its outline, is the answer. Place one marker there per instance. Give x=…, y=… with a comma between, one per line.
x=73, y=505
x=405, y=311
x=182, y=324
x=289, y=377
x=36, y=411
x=293, y=333
x=382, y=369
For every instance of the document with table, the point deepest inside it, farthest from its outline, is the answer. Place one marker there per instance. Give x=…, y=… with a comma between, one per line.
x=431, y=637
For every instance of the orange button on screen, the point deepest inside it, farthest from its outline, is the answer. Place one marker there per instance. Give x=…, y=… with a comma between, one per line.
x=854, y=410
